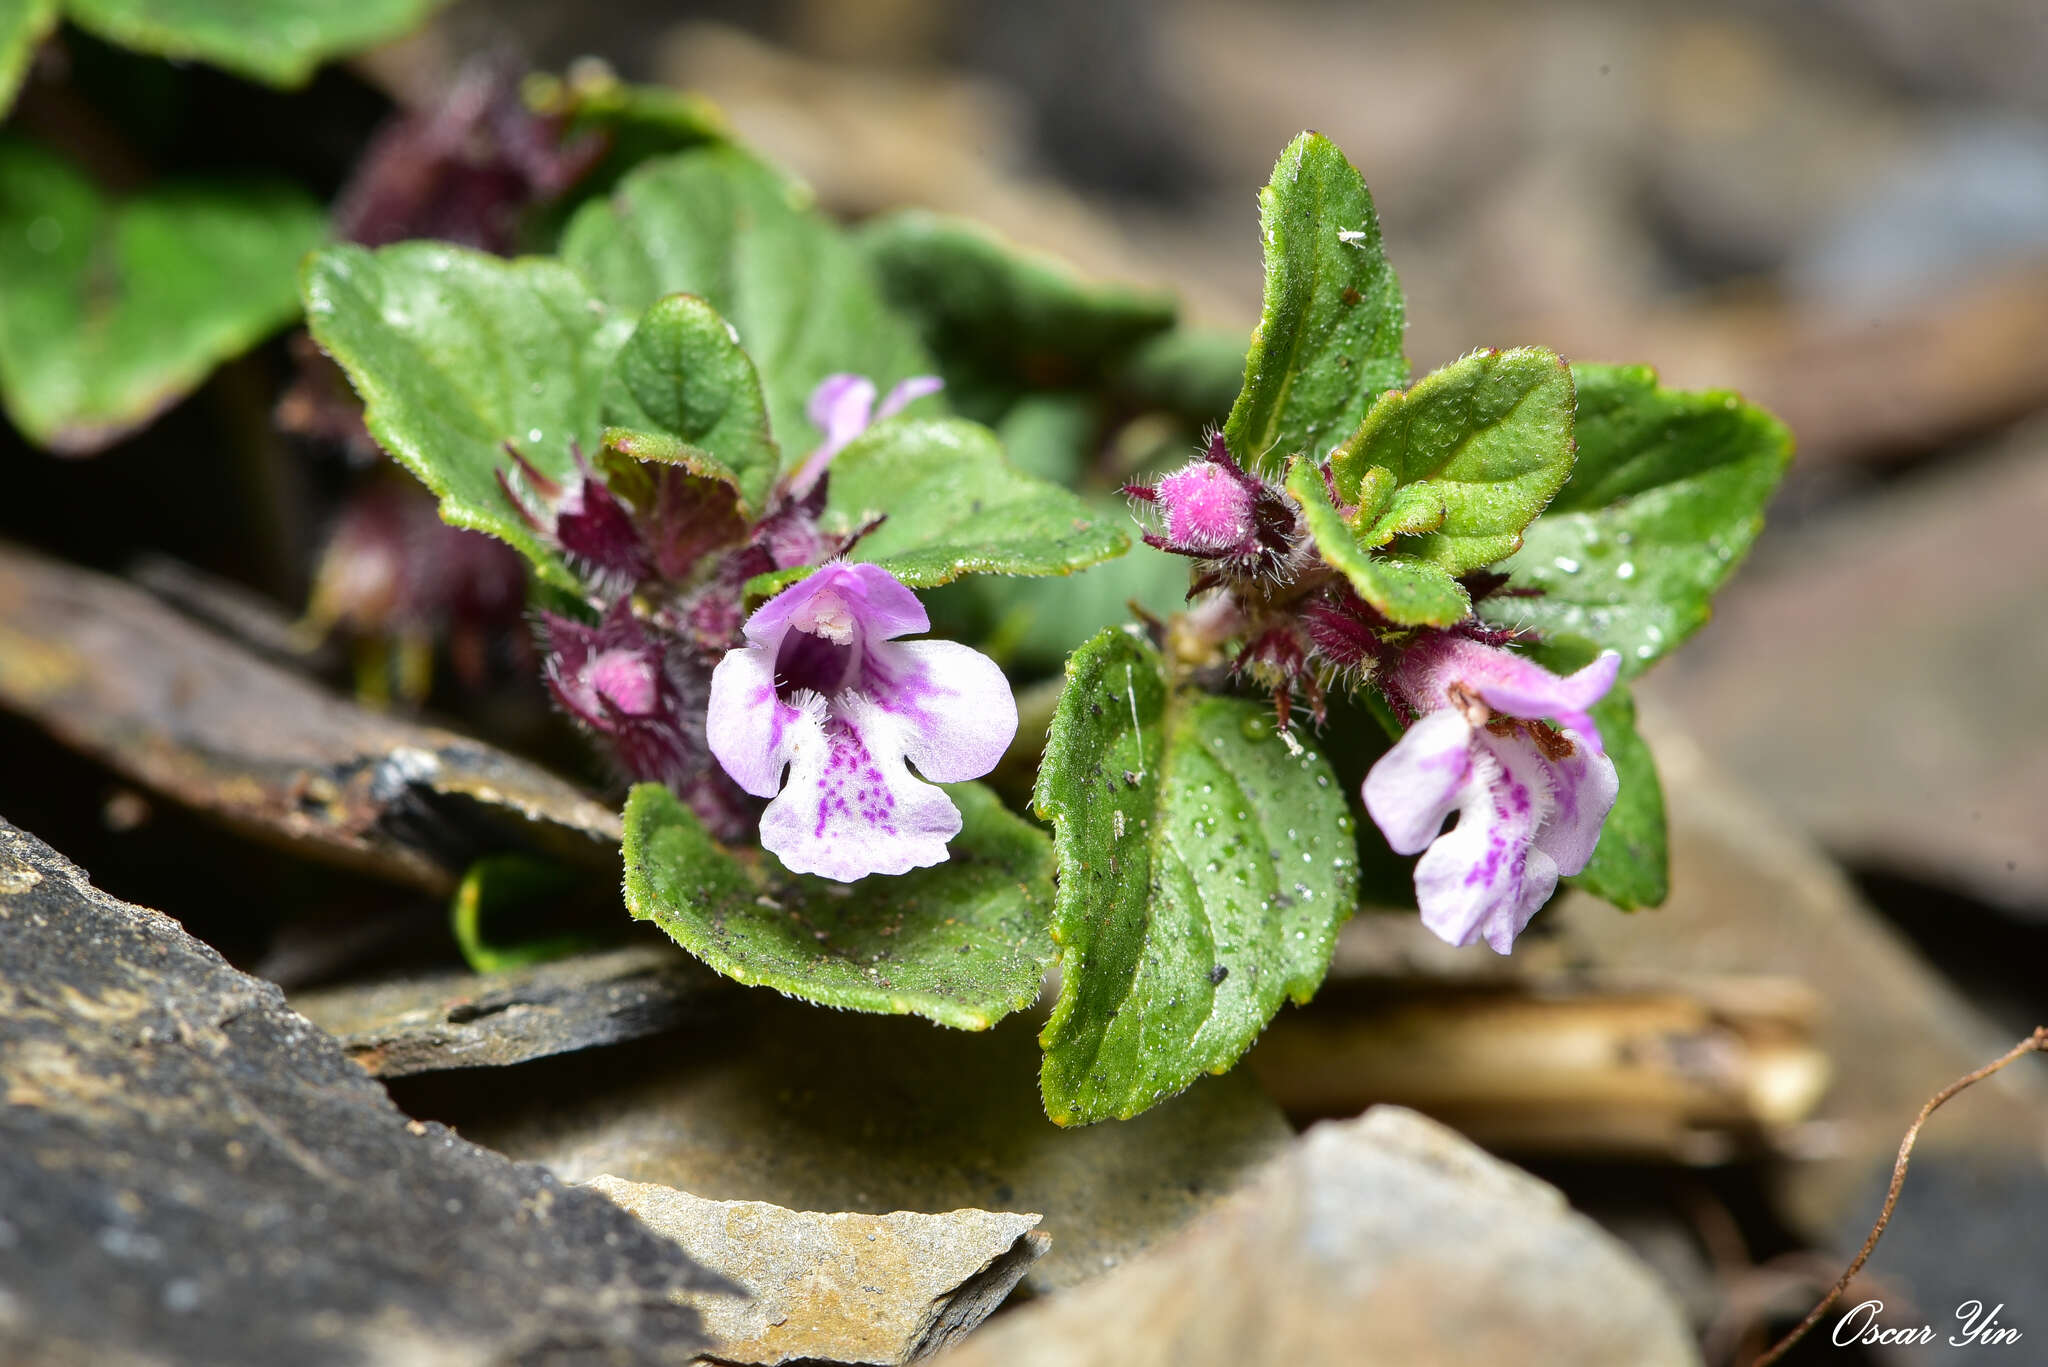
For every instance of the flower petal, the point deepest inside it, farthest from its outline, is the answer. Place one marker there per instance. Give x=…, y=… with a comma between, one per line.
x=1484, y=876
x=750, y=729
x=851, y=806
x=1583, y=786
x=878, y=605
x=906, y=393
x=1415, y=785
x=954, y=705
x=1523, y=688
x=840, y=406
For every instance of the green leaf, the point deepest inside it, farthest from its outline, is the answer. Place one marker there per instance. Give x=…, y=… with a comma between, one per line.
x=682, y=391
x=1204, y=870
x=1667, y=496
x=505, y=912
x=1403, y=589
x=1631, y=864
x=1474, y=451
x=1030, y=625
x=1193, y=373
x=962, y=943
x=278, y=41
x=1329, y=338
x=1000, y=312
x=114, y=311
x=718, y=224
x=955, y=506
x=456, y=353
x=23, y=25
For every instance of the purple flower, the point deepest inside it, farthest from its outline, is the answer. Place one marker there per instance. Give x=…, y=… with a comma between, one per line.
x=843, y=407
x=823, y=690
x=582, y=517
x=1218, y=512
x=620, y=679
x=1530, y=796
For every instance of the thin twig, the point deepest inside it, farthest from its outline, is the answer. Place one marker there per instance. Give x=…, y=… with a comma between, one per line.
x=2036, y=1042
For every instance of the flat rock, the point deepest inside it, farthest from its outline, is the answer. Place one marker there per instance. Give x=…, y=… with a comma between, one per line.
x=1382, y=1241
x=1912, y=755
x=488, y=1020
x=837, y=1111
x=111, y=671
x=839, y=1288
x=191, y=1173
x=1752, y=896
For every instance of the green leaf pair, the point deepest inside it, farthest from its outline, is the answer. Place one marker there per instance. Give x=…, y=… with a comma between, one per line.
x=456, y=354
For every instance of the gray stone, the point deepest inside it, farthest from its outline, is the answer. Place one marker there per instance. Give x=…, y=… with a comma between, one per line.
x=489, y=1020
x=191, y=1173
x=109, y=670
x=1918, y=755
x=839, y=1288
x=1383, y=1241
x=837, y=1111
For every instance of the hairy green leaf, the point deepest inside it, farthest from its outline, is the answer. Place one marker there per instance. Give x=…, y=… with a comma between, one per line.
x=998, y=312
x=1667, y=496
x=962, y=943
x=114, y=311
x=278, y=41
x=1204, y=869
x=682, y=391
x=1474, y=451
x=716, y=223
x=1329, y=337
x=953, y=505
x=456, y=353
x=1402, y=588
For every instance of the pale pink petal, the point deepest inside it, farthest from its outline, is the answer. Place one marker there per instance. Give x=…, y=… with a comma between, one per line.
x=873, y=599
x=1522, y=688
x=906, y=393
x=957, y=713
x=841, y=406
x=1415, y=785
x=852, y=807
x=747, y=726
x=1484, y=876
x=1583, y=786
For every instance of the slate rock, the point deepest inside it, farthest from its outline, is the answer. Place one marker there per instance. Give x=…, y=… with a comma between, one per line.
x=1385, y=1241
x=109, y=670
x=192, y=1173
x=488, y=1020
x=840, y=1288
x=838, y=1111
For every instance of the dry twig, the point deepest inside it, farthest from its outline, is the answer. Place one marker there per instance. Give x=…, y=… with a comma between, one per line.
x=2034, y=1043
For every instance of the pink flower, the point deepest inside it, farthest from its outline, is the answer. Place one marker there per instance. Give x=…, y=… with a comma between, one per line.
x=1219, y=513
x=843, y=407
x=1530, y=797
x=622, y=680
x=824, y=711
